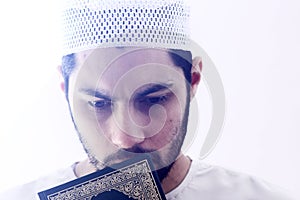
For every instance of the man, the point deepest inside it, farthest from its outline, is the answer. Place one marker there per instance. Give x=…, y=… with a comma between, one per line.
x=129, y=78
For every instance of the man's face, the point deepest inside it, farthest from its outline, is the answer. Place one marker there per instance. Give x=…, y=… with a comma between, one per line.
x=126, y=101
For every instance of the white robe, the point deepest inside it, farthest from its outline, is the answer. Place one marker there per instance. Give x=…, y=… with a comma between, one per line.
x=203, y=182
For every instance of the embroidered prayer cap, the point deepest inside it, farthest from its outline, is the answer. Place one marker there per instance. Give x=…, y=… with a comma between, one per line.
x=89, y=24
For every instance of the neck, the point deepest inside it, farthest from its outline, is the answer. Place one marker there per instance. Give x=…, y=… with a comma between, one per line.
x=176, y=175
x=83, y=168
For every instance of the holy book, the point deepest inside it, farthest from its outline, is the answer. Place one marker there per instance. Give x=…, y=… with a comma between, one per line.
x=132, y=179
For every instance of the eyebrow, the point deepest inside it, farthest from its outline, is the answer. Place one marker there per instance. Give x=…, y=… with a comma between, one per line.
x=154, y=88
x=148, y=90
x=95, y=93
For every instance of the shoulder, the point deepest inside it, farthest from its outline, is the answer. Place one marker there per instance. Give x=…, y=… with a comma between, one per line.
x=29, y=191
x=216, y=183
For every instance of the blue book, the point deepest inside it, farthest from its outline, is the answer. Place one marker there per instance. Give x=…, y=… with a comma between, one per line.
x=132, y=179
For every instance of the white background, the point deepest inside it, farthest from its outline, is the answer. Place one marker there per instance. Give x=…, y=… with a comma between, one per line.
x=254, y=44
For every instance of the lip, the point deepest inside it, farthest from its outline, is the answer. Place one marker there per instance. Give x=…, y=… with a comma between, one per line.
x=117, y=160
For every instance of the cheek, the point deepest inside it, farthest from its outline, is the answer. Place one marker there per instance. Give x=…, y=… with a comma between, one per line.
x=166, y=136
x=170, y=129
x=88, y=116
x=96, y=125
x=84, y=117
x=91, y=130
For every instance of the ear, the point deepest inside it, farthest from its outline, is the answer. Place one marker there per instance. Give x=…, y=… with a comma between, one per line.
x=196, y=75
x=62, y=82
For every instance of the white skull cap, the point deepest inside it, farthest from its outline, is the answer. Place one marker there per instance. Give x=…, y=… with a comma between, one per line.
x=90, y=24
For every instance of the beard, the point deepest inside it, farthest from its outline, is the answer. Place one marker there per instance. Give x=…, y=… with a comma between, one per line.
x=162, y=172
x=162, y=163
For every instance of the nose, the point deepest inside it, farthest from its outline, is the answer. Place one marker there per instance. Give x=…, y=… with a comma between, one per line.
x=124, y=132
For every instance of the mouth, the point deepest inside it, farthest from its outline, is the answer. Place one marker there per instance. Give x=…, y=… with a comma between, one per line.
x=124, y=155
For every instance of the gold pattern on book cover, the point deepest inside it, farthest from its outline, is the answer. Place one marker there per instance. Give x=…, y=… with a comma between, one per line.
x=135, y=181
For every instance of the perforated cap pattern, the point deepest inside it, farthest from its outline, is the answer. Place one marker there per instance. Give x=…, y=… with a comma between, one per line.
x=90, y=24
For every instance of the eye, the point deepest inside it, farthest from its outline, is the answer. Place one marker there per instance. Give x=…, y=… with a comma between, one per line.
x=155, y=99
x=100, y=104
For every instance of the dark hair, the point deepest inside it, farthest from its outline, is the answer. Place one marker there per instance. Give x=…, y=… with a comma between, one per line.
x=180, y=58
x=67, y=66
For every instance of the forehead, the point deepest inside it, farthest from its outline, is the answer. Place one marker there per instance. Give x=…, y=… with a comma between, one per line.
x=123, y=56
x=107, y=67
